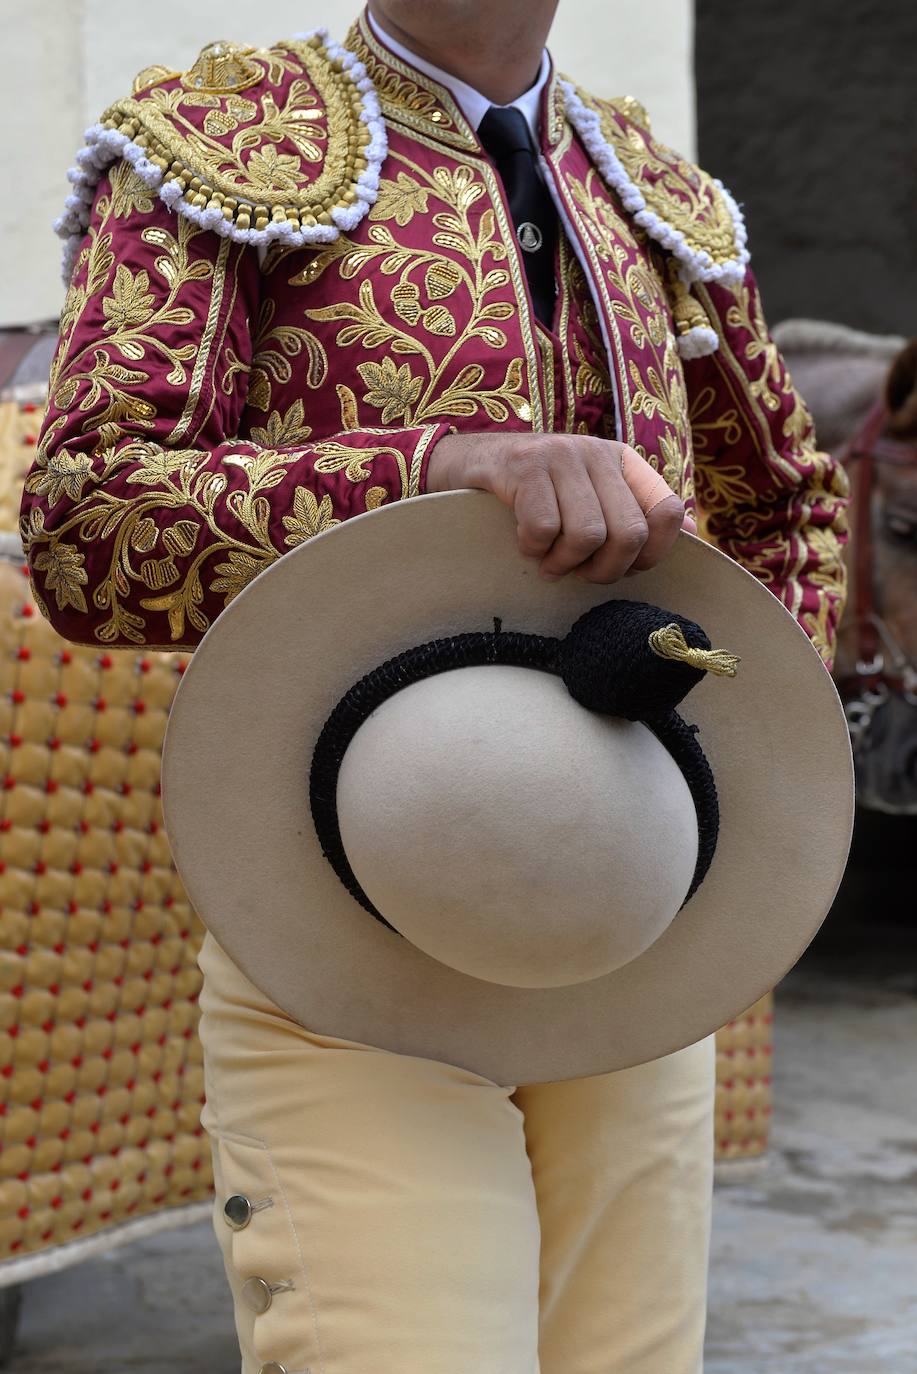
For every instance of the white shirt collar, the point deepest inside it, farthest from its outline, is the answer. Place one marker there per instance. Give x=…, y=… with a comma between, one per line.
x=472, y=103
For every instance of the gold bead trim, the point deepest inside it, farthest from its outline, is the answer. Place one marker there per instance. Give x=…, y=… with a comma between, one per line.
x=148, y=129
x=669, y=642
x=687, y=311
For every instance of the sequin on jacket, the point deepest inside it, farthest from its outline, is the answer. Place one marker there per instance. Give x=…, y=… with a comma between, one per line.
x=292, y=271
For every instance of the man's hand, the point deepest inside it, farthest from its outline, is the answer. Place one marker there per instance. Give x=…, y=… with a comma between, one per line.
x=574, y=508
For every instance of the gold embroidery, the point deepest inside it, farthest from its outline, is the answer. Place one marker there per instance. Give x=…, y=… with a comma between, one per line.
x=223, y=67
x=766, y=388
x=399, y=200
x=309, y=516
x=273, y=347
x=148, y=502
x=422, y=390
x=760, y=346
x=678, y=192
x=283, y=431
x=393, y=391
x=406, y=96
x=639, y=304
x=202, y=360
x=65, y=574
x=248, y=179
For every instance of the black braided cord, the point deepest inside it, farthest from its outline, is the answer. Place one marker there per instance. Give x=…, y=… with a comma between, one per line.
x=606, y=665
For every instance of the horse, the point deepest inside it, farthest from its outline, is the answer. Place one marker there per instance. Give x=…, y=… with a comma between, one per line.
x=862, y=392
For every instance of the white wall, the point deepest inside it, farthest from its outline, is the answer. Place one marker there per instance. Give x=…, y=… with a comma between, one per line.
x=67, y=59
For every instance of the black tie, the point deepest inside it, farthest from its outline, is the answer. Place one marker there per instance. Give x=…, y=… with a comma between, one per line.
x=504, y=134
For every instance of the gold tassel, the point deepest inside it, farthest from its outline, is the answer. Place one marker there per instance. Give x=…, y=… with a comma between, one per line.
x=687, y=311
x=669, y=642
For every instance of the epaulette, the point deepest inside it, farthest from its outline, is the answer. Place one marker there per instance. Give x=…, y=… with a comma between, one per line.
x=257, y=144
x=684, y=209
x=681, y=207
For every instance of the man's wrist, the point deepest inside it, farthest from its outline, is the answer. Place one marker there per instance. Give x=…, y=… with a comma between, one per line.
x=441, y=465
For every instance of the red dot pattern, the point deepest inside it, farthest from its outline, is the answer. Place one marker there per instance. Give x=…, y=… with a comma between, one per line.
x=744, y=1083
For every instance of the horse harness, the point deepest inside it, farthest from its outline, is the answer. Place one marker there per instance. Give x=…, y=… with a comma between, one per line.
x=885, y=679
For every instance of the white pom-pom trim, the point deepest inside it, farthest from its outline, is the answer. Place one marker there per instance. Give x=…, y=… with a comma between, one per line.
x=696, y=263
x=105, y=146
x=699, y=342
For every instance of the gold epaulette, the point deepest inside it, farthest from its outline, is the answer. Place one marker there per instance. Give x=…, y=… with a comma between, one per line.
x=681, y=207
x=256, y=143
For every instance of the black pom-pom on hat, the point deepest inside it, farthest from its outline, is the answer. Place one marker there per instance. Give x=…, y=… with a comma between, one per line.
x=631, y=659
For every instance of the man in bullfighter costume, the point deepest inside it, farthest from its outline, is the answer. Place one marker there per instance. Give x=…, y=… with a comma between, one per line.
x=310, y=281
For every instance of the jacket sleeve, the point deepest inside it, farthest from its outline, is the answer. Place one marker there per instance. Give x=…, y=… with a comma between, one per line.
x=143, y=513
x=766, y=495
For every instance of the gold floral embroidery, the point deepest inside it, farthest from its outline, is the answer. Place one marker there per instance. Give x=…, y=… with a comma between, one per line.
x=135, y=327
x=679, y=193
x=394, y=391
x=760, y=347
x=63, y=474
x=274, y=346
x=153, y=504
x=295, y=150
x=65, y=574
x=638, y=305
x=129, y=193
x=426, y=108
x=283, y=431
x=309, y=516
x=763, y=380
x=400, y=200
x=425, y=388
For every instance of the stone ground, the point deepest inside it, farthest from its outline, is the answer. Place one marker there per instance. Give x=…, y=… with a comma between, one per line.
x=814, y=1266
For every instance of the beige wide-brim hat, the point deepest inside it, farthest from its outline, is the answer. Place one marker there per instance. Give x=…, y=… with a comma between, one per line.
x=532, y=855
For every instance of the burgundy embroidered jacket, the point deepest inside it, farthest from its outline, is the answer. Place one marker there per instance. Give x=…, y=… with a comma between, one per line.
x=292, y=271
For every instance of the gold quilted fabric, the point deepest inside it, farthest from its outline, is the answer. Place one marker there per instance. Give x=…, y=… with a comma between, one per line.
x=100, y=1067
x=744, y=1085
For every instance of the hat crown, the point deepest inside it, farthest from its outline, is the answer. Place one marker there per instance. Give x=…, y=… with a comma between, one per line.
x=510, y=834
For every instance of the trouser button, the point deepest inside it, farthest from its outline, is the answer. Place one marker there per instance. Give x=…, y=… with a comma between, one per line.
x=237, y=1211
x=258, y=1294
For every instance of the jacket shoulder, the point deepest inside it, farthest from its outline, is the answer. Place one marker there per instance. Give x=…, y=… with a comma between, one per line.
x=682, y=207
x=255, y=143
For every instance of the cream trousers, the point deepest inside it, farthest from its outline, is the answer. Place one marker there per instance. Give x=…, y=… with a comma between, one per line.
x=414, y=1218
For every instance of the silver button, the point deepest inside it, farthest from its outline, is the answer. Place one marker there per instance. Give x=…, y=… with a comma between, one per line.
x=237, y=1212
x=530, y=237
x=259, y=1294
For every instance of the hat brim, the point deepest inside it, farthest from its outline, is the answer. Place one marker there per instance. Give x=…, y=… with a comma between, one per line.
x=259, y=688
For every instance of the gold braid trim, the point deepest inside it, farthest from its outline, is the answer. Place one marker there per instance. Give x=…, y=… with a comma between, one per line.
x=669, y=642
x=259, y=158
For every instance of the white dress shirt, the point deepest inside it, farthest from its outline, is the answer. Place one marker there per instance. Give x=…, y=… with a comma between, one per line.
x=472, y=103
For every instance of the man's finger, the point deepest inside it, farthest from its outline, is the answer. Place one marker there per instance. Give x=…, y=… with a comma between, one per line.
x=663, y=510
x=537, y=513
x=663, y=523
x=628, y=528
x=645, y=482
x=583, y=524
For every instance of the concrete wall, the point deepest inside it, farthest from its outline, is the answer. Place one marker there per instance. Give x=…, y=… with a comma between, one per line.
x=807, y=112
x=67, y=59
